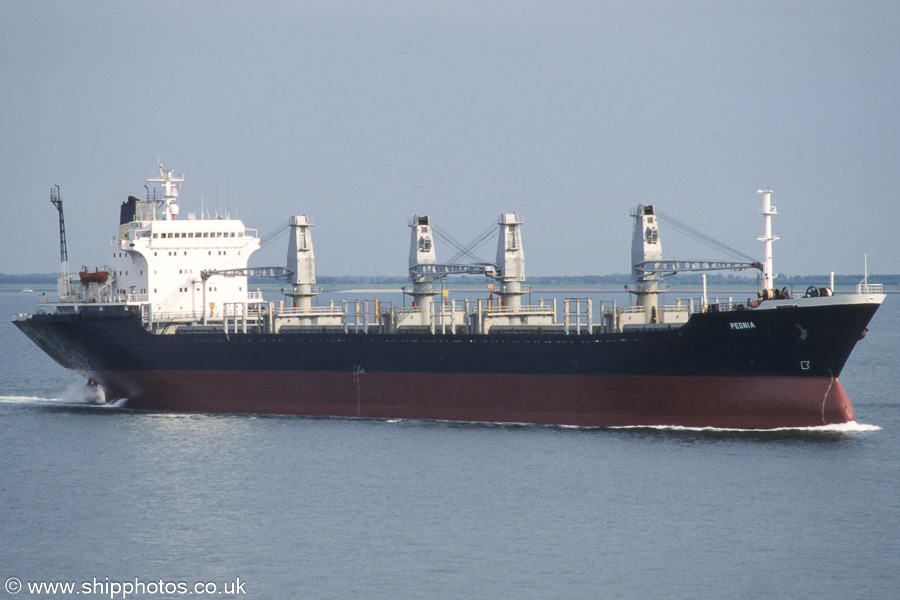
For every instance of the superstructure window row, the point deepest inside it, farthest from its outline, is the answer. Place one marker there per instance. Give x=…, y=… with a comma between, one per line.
x=197, y=234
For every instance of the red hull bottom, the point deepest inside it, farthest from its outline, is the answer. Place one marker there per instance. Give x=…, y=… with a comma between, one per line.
x=593, y=401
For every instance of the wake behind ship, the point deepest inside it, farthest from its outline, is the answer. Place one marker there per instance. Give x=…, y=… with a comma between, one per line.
x=171, y=324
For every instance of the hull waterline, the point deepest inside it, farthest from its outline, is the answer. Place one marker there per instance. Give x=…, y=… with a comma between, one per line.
x=600, y=401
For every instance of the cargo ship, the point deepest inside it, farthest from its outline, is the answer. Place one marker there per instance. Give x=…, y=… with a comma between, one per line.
x=171, y=324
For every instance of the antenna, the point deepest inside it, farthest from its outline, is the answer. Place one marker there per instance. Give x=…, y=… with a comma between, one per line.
x=171, y=184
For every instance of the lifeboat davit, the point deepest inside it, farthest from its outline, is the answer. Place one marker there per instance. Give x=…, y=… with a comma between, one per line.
x=95, y=277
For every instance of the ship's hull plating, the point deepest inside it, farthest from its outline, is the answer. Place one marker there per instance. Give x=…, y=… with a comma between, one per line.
x=616, y=400
x=743, y=369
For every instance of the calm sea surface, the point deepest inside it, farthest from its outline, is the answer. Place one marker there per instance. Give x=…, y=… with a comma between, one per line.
x=288, y=507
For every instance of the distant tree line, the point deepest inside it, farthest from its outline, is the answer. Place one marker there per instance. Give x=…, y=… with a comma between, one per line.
x=29, y=278
x=783, y=280
x=624, y=279
x=560, y=280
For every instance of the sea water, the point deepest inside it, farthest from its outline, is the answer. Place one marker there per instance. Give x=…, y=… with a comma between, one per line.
x=134, y=504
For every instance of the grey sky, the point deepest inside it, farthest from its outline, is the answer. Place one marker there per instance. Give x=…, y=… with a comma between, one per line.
x=364, y=114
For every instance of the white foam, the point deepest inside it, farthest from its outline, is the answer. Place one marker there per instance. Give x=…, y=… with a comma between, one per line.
x=77, y=394
x=25, y=399
x=83, y=393
x=849, y=427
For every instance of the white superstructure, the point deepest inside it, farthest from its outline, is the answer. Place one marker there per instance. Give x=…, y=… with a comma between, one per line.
x=157, y=259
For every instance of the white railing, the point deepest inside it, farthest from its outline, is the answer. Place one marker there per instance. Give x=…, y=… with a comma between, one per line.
x=723, y=306
x=673, y=308
x=631, y=309
x=579, y=314
x=360, y=315
x=295, y=311
x=870, y=288
x=665, y=308
x=543, y=309
x=183, y=316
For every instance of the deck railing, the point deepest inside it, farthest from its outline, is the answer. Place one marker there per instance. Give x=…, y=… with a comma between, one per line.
x=870, y=288
x=537, y=309
x=298, y=311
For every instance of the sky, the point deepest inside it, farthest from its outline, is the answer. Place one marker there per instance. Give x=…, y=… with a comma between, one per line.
x=363, y=114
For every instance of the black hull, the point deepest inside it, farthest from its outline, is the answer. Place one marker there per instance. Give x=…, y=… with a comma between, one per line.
x=746, y=369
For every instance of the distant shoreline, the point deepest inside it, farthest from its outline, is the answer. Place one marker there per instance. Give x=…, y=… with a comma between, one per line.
x=38, y=287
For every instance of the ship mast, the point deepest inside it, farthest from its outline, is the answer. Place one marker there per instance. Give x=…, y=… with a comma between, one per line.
x=422, y=263
x=646, y=247
x=511, y=260
x=65, y=285
x=170, y=190
x=768, y=238
x=302, y=261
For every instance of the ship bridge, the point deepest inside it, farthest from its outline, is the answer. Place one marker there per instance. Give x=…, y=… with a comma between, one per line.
x=157, y=259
